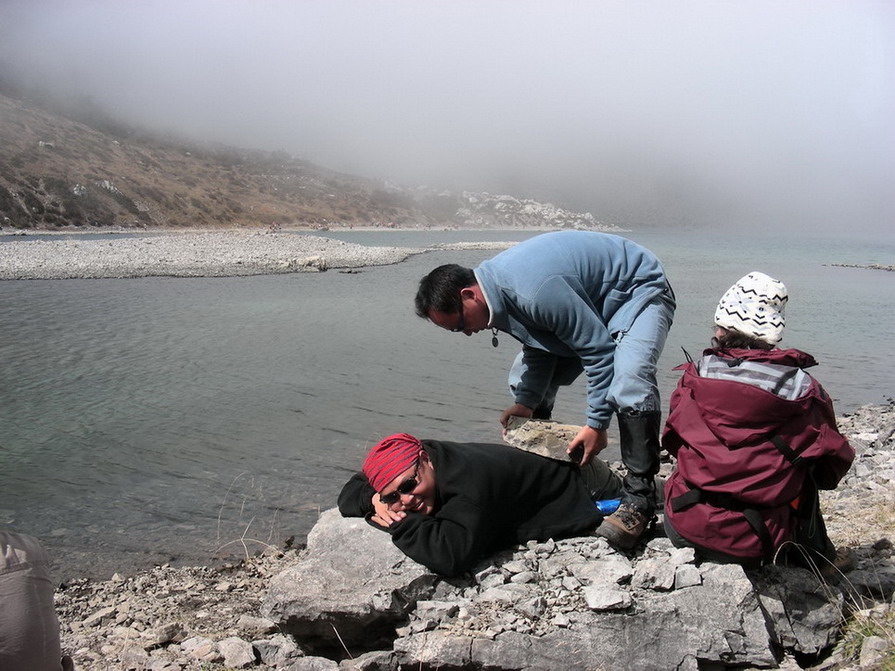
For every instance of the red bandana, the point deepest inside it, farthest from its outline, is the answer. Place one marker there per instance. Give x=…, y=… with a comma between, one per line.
x=389, y=458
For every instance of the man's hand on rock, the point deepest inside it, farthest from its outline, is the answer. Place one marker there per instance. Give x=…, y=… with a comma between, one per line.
x=592, y=441
x=515, y=410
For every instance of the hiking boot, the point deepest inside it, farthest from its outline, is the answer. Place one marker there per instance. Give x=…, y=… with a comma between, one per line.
x=624, y=527
x=846, y=560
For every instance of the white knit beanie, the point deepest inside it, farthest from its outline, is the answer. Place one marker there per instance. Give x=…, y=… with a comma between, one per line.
x=754, y=306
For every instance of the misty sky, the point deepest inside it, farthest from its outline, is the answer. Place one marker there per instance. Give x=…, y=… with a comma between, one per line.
x=741, y=114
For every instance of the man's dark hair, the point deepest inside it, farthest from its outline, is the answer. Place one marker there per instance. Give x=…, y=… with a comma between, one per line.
x=733, y=339
x=440, y=289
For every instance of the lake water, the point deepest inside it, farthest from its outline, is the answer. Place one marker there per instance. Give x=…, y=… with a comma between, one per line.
x=187, y=420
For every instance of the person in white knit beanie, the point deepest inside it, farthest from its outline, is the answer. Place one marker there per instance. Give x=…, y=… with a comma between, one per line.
x=754, y=436
x=754, y=307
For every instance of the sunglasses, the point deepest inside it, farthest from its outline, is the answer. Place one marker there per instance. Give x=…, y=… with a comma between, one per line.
x=461, y=325
x=405, y=487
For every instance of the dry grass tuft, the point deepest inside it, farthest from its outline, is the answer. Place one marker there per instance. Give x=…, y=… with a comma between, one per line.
x=875, y=622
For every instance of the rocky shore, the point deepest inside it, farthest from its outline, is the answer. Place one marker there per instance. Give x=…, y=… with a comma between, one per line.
x=205, y=254
x=351, y=600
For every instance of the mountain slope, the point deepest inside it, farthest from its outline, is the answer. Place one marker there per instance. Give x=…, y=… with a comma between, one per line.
x=57, y=172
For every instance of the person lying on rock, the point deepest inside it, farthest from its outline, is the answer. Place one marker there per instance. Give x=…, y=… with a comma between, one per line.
x=448, y=505
x=755, y=437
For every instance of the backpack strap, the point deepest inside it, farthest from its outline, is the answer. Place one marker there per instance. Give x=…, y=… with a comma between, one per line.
x=753, y=517
x=790, y=454
x=786, y=377
x=728, y=502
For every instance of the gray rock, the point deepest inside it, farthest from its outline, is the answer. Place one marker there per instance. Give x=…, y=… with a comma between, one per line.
x=686, y=575
x=873, y=649
x=102, y=616
x=614, y=569
x=492, y=580
x=660, y=545
x=515, y=566
x=435, y=610
x=313, y=664
x=255, y=626
x=236, y=652
x=532, y=608
x=378, y=660
x=681, y=556
x=655, y=574
x=165, y=633
x=351, y=580
x=719, y=620
x=510, y=593
x=877, y=582
x=277, y=650
x=199, y=647
x=163, y=665
x=668, y=630
x=599, y=597
x=134, y=658
x=570, y=583
x=561, y=620
x=544, y=438
x=804, y=615
x=524, y=577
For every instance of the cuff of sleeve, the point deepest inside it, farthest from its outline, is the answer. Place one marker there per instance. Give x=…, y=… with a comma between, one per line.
x=528, y=400
x=369, y=519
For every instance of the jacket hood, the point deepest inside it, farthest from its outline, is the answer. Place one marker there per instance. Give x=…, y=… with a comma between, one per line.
x=784, y=357
x=741, y=414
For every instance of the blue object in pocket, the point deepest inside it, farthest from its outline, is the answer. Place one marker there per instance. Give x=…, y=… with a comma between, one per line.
x=607, y=506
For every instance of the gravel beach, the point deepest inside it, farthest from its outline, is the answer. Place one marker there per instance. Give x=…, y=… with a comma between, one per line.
x=205, y=254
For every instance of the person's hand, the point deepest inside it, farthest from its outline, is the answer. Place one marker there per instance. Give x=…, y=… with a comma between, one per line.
x=515, y=410
x=593, y=441
x=383, y=515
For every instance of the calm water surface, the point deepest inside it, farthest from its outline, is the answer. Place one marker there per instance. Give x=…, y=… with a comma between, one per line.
x=166, y=419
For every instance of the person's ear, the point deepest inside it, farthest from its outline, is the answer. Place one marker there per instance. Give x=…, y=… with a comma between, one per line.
x=426, y=466
x=467, y=293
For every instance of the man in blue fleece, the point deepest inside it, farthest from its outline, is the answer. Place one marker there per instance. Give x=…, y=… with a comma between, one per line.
x=577, y=301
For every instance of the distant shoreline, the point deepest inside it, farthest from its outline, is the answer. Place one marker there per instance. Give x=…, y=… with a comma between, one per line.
x=224, y=253
x=228, y=252
x=307, y=230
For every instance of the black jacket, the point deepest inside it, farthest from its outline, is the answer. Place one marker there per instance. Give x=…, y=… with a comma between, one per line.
x=488, y=497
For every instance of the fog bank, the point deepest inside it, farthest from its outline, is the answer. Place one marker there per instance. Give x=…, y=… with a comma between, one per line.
x=760, y=115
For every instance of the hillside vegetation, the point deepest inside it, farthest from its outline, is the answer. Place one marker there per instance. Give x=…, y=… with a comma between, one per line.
x=57, y=172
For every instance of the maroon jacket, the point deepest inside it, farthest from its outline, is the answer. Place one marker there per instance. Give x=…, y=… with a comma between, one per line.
x=748, y=428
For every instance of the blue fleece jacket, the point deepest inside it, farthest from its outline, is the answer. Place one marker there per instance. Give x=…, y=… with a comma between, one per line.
x=564, y=294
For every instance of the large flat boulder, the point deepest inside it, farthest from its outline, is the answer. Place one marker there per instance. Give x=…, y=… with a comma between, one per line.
x=567, y=604
x=352, y=584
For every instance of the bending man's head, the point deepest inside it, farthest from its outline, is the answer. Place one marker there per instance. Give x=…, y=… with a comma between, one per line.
x=440, y=289
x=399, y=469
x=450, y=297
x=751, y=311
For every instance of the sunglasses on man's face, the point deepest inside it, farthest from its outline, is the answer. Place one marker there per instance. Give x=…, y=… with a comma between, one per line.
x=461, y=324
x=405, y=487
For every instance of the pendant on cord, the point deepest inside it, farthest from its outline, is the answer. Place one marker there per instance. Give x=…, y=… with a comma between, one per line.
x=493, y=337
